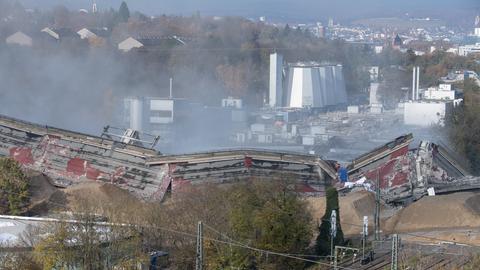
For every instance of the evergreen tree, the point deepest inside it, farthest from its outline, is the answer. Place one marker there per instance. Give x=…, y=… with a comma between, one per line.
x=123, y=12
x=14, y=194
x=286, y=30
x=269, y=216
x=323, y=240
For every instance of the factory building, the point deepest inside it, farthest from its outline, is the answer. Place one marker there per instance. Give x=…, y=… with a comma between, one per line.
x=442, y=92
x=426, y=113
x=431, y=106
x=315, y=85
x=305, y=84
x=152, y=115
x=175, y=120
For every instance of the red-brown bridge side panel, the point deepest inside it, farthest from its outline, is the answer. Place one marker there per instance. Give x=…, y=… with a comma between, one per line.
x=22, y=155
x=81, y=167
x=392, y=173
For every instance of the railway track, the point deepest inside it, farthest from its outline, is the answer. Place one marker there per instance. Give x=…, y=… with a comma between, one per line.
x=429, y=260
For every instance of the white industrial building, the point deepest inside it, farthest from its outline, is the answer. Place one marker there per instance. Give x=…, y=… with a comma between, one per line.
x=231, y=102
x=133, y=113
x=469, y=49
x=426, y=113
x=276, y=80
x=373, y=94
x=148, y=114
x=315, y=85
x=442, y=92
x=374, y=100
x=378, y=49
x=305, y=84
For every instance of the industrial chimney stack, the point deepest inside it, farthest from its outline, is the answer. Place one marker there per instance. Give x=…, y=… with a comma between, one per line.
x=416, y=83
x=94, y=7
x=276, y=80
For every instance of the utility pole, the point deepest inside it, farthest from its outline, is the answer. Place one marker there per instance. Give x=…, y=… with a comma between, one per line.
x=365, y=234
x=343, y=249
x=395, y=246
x=199, y=257
x=335, y=262
x=333, y=230
x=377, y=207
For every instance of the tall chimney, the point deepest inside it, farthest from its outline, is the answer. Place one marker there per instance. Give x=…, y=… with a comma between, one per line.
x=171, y=88
x=413, y=82
x=418, y=84
x=94, y=7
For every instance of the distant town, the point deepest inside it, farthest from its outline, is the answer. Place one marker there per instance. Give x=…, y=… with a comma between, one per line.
x=135, y=141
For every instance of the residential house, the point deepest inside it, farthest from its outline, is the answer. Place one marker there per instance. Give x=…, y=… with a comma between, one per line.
x=129, y=44
x=96, y=37
x=84, y=33
x=19, y=38
x=60, y=34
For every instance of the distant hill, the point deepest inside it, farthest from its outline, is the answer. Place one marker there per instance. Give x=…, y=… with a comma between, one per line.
x=300, y=10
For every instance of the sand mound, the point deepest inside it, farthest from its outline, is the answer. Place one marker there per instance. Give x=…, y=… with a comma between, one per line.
x=40, y=188
x=452, y=211
x=41, y=192
x=473, y=203
x=458, y=210
x=100, y=194
x=353, y=207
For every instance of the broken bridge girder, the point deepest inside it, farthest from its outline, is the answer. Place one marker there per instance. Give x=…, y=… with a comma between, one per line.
x=242, y=154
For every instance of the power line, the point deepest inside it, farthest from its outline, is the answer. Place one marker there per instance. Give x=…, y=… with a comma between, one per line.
x=231, y=239
x=273, y=252
x=419, y=236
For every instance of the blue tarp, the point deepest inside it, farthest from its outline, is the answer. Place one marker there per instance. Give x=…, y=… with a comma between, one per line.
x=343, y=174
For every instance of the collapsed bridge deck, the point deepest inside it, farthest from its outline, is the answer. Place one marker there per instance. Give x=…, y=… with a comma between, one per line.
x=69, y=157
x=311, y=172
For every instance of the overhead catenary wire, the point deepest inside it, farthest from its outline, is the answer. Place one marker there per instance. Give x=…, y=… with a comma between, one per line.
x=417, y=235
x=226, y=236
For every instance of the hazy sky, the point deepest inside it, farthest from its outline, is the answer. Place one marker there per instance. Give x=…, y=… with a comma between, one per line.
x=281, y=9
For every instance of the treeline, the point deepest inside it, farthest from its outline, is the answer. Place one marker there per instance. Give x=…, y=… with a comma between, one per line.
x=244, y=226
x=222, y=56
x=463, y=126
x=396, y=71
